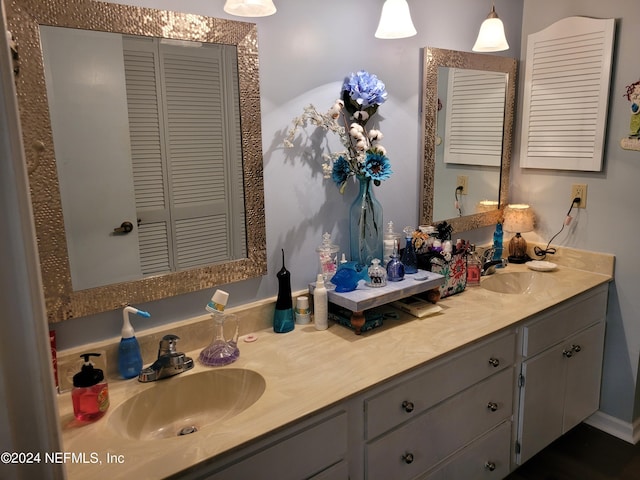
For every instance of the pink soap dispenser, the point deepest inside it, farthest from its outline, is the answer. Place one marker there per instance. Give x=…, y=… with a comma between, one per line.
x=90, y=394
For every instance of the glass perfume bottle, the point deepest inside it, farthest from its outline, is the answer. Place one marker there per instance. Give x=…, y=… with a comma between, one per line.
x=389, y=242
x=409, y=259
x=328, y=256
x=474, y=267
x=221, y=351
x=377, y=274
x=395, y=268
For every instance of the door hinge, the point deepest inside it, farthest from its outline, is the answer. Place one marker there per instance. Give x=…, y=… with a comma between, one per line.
x=521, y=380
x=517, y=447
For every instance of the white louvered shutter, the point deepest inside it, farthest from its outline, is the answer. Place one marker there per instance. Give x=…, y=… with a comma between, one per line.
x=197, y=162
x=566, y=94
x=474, y=118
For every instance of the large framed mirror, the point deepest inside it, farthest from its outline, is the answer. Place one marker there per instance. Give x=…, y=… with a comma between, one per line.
x=468, y=103
x=143, y=143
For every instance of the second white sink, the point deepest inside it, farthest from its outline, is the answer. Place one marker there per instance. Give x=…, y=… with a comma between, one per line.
x=521, y=283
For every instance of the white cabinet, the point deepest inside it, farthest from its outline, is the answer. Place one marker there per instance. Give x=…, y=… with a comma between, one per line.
x=424, y=418
x=561, y=370
x=314, y=449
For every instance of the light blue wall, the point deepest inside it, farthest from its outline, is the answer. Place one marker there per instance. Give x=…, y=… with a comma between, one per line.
x=305, y=50
x=610, y=222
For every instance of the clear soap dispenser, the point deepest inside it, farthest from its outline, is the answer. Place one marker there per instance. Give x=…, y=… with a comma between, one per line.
x=221, y=351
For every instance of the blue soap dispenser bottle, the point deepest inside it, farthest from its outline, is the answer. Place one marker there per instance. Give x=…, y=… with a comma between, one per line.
x=129, y=357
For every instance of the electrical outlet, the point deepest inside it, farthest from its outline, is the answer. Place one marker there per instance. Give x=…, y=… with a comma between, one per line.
x=579, y=190
x=462, y=181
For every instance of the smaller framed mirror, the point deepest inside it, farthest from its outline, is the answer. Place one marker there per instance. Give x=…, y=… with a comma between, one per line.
x=468, y=103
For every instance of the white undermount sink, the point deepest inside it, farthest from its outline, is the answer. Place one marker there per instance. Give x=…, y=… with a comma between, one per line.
x=183, y=405
x=521, y=283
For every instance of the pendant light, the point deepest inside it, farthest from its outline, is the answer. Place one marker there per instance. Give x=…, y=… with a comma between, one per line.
x=395, y=20
x=491, y=37
x=250, y=8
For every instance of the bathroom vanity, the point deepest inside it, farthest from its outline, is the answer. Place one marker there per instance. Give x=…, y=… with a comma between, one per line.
x=471, y=392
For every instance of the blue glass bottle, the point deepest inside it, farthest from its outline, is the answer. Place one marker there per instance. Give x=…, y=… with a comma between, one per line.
x=395, y=268
x=497, y=244
x=409, y=259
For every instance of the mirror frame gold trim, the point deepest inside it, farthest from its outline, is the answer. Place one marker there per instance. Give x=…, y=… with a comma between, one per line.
x=439, y=57
x=24, y=18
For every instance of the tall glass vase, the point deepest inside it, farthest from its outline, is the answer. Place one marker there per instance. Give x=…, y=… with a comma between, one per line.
x=365, y=222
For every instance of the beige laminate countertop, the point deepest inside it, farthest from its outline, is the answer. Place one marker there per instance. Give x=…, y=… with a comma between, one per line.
x=308, y=370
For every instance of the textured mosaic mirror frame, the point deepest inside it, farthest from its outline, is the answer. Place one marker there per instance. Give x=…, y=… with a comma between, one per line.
x=24, y=18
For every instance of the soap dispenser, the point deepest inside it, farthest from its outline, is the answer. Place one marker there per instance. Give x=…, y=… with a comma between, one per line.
x=90, y=394
x=283, y=319
x=129, y=357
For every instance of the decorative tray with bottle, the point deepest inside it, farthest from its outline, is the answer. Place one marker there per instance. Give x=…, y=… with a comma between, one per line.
x=364, y=297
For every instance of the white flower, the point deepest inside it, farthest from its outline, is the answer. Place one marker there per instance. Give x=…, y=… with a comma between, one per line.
x=375, y=135
x=362, y=144
x=361, y=115
x=381, y=149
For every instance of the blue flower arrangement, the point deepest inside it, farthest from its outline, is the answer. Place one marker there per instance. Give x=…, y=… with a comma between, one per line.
x=364, y=157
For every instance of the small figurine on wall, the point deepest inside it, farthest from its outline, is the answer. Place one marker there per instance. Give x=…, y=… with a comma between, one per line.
x=632, y=142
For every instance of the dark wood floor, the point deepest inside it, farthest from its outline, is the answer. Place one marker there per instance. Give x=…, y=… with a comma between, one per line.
x=584, y=453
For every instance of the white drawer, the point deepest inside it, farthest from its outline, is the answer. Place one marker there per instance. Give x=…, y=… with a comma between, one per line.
x=421, y=444
x=486, y=458
x=552, y=328
x=304, y=454
x=405, y=401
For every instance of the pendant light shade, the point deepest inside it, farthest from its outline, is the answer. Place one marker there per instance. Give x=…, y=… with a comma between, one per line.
x=395, y=20
x=491, y=37
x=250, y=8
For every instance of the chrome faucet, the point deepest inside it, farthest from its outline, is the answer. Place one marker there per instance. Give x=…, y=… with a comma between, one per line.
x=169, y=362
x=488, y=265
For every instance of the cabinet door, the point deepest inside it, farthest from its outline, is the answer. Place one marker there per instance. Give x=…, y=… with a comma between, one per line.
x=541, y=402
x=582, y=397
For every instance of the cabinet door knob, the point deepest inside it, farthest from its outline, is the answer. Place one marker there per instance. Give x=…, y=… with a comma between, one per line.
x=492, y=406
x=568, y=353
x=408, y=458
x=494, y=362
x=407, y=406
x=490, y=466
x=576, y=348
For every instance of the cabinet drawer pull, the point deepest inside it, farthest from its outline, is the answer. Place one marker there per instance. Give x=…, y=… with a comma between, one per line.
x=494, y=362
x=492, y=406
x=576, y=348
x=407, y=406
x=490, y=466
x=567, y=353
x=408, y=458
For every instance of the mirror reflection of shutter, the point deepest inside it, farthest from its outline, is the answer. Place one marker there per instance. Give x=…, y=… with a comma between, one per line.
x=474, y=117
x=148, y=155
x=566, y=93
x=196, y=189
x=193, y=94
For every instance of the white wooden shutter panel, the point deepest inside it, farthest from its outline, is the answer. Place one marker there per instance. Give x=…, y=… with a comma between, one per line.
x=566, y=94
x=474, y=117
x=193, y=92
x=148, y=155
